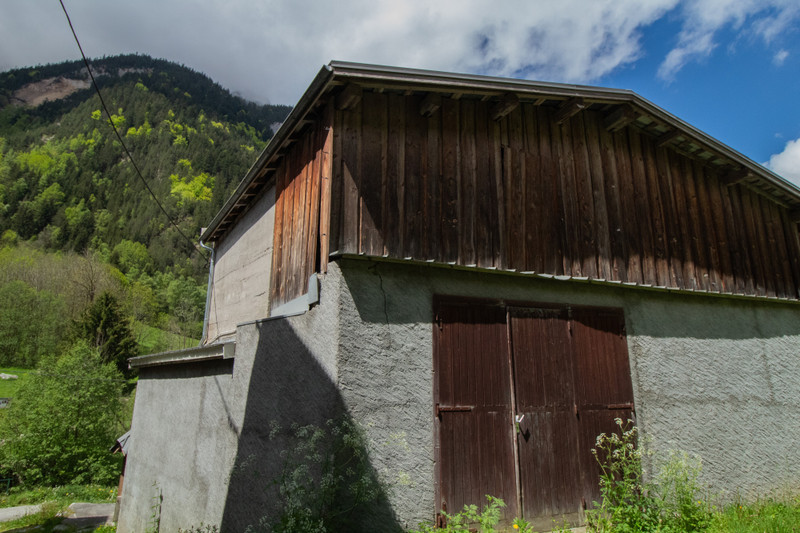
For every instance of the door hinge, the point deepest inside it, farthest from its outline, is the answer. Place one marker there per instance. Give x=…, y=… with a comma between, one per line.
x=438, y=321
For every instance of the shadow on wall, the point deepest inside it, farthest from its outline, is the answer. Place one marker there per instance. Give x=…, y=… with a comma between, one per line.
x=301, y=460
x=385, y=292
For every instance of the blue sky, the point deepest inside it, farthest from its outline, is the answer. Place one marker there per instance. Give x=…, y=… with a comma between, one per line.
x=728, y=67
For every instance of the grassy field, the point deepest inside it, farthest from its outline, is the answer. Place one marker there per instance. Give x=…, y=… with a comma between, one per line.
x=53, y=501
x=8, y=387
x=154, y=340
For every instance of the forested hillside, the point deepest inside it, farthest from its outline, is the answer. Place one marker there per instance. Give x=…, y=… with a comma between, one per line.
x=68, y=188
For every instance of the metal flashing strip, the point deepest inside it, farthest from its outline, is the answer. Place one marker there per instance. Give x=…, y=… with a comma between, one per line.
x=302, y=303
x=223, y=350
x=569, y=278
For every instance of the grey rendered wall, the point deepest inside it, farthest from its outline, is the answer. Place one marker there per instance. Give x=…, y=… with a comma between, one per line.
x=203, y=434
x=716, y=377
x=712, y=376
x=243, y=262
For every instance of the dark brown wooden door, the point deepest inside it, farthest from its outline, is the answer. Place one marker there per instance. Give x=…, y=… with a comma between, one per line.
x=550, y=472
x=563, y=373
x=473, y=407
x=603, y=383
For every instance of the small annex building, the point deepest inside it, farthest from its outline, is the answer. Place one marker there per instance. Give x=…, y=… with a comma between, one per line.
x=481, y=273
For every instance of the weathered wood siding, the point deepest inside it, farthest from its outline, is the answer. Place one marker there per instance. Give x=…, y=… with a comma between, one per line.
x=528, y=194
x=302, y=186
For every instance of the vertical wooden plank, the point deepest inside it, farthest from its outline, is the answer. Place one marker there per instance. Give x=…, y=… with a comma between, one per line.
x=657, y=223
x=686, y=237
x=554, y=243
x=745, y=209
x=642, y=208
x=434, y=179
x=740, y=259
x=372, y=172
x=771, y=276
x=312, y=235
x=326, y=174
x=298, y=218
x=755, y=234
x=777, y=238
x=630, y=228
x=792, y=239
x=515, y=200
x=484, y=188
x=289, y=221
x=351, y=170
x=277, y=237
x=608, y=164
x=566, y=159
x=337, y=183
x=708, y=232
x=672, y=230
x=717, y=214
x=451, y=175
x=587, y=224
x=534, y=193
x=697, y=234
x=415, y=138
x=395, y=170
x=499, y=231
x=600, y=202
x=466, y=248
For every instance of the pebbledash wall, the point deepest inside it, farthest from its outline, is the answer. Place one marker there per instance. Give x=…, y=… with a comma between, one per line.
x=714, y=376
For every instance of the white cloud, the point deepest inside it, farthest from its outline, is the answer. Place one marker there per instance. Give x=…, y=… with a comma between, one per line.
x=703, y=19
x=780, y=57
x=270, y=50
x=787, y=162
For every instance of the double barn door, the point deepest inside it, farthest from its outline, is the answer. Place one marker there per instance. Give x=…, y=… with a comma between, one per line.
x=521, y=393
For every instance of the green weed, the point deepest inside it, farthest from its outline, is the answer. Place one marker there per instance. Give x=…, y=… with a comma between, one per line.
x=466, y=520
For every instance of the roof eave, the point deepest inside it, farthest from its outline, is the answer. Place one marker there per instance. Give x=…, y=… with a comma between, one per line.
x=317, y=87
x=339, y=71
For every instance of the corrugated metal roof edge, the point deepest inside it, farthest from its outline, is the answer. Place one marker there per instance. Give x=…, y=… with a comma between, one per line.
x=355, y=71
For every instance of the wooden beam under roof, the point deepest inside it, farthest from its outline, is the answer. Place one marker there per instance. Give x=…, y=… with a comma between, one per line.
x=736, y=176
x=508, y=103
x=569, y=109
x=619, y=118
x=430, y=104
x=668, y=137
x=349, y=97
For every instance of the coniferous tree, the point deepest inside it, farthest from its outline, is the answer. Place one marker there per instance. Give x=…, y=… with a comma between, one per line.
x=104, y=327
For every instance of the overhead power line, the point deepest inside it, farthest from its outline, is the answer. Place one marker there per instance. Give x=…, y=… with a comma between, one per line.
x=119, y=137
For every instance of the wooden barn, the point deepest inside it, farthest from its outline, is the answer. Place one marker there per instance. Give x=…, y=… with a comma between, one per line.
x=483, y=273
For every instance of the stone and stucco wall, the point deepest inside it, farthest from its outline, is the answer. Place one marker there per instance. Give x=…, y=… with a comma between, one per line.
x=713, y=376
x=243, y=263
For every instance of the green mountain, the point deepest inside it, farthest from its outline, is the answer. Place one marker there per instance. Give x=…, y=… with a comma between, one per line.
x=67, y=184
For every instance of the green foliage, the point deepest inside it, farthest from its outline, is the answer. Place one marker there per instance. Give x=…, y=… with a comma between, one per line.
x=105, y=328
x=468, y=518
x=97, y=200
x=59, y=427
x=668, y=504
x=189, y=188
x=326, y=481
x=31, y=324
x=132, y=258
x=62, y=494
x=763, y=516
